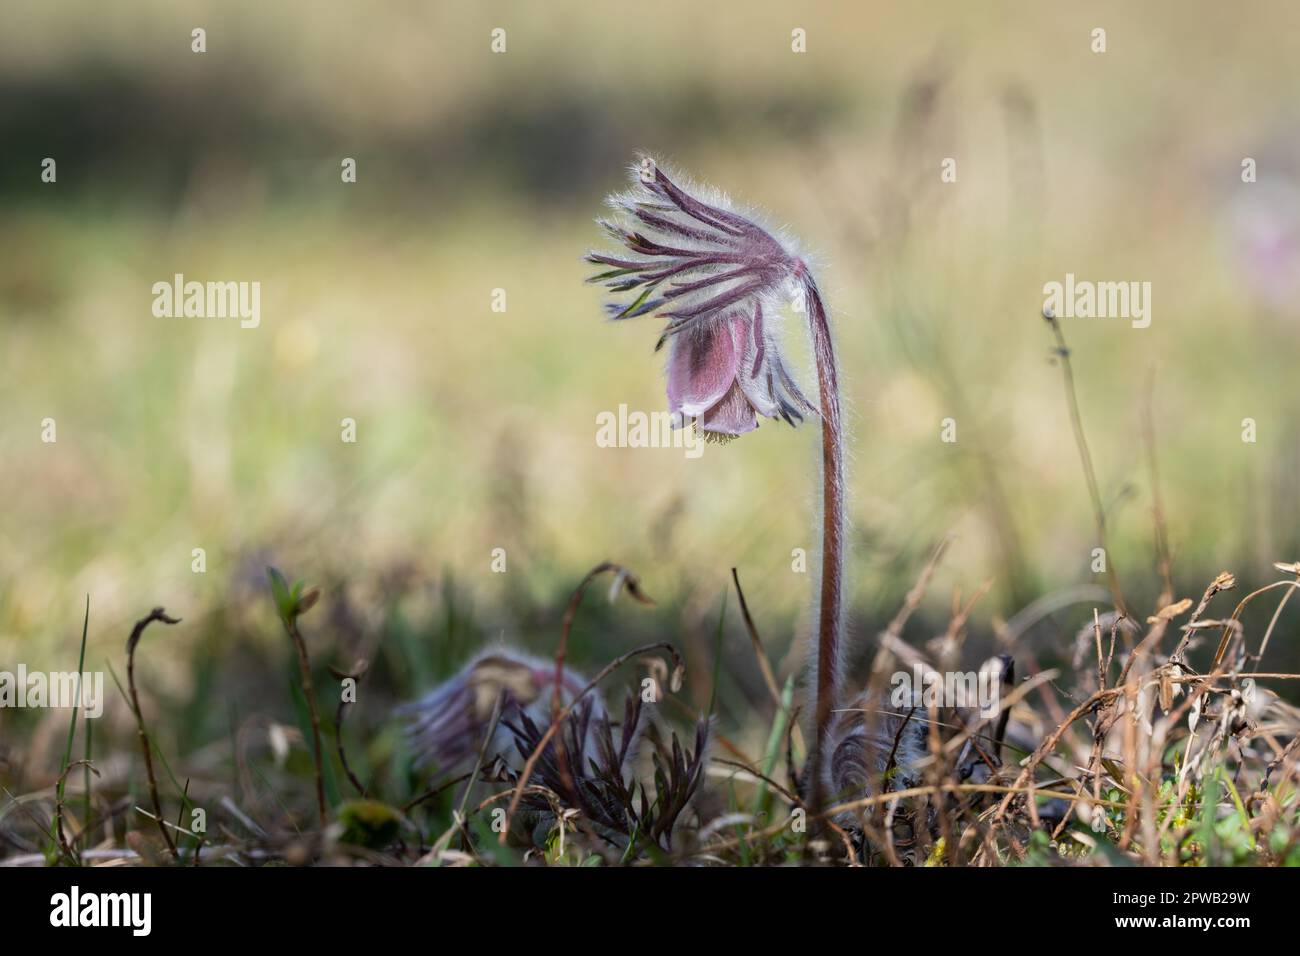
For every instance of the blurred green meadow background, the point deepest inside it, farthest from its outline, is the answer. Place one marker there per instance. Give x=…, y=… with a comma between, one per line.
x=476, y=429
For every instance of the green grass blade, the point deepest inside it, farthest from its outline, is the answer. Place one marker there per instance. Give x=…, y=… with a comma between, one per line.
x=772, y=752
x=72, y=724
x=1241, y=810
x=717, y=655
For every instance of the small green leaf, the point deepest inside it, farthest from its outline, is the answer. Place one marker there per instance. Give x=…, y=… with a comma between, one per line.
x=284, y=601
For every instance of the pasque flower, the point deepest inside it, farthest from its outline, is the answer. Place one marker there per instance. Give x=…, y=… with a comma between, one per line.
x=448, y=725
x=709, y=272
x=715, y=276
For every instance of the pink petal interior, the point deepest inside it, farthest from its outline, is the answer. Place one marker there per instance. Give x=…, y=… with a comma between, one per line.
x=734, y=415
x=703, y=366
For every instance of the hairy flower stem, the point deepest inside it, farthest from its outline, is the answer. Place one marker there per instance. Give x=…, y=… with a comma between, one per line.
x=830, y=603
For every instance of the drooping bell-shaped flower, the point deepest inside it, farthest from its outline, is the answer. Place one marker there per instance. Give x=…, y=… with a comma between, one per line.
x=711, y=273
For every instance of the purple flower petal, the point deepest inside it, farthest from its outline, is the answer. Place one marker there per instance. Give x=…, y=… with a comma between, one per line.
x=702, y=366
x=754, y=376
x=734, y=415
